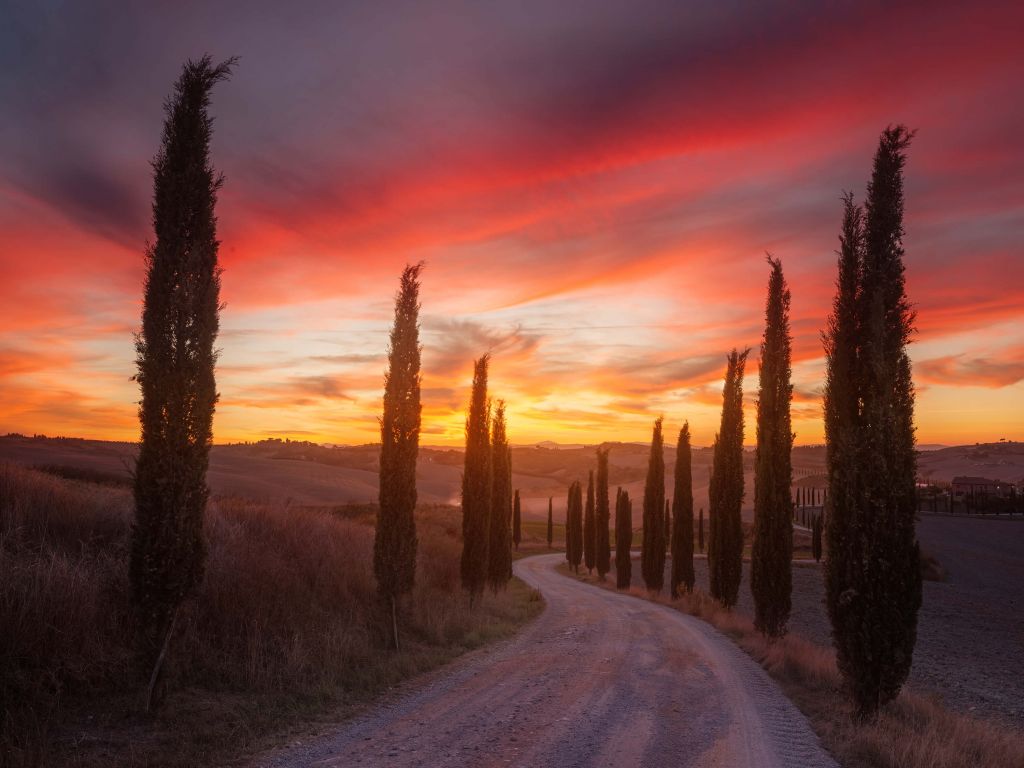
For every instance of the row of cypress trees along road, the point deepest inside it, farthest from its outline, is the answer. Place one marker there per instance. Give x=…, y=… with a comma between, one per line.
x=623, y=539
x=682, y=517
x=574, y=526
x=652, y=552
x=872, y=573
x=499, y=547
x=589, y=528
x=725, y=493
x=602, y=514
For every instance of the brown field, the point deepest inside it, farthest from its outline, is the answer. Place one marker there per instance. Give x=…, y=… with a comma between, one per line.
x=286, y=626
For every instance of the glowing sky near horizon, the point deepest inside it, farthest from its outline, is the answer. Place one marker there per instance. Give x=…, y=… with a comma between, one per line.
x=592, y=186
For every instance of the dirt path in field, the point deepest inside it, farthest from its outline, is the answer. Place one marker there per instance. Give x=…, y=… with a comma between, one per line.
x=599, y=679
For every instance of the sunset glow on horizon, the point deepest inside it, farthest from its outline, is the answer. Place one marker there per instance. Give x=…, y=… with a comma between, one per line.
x=600, y=229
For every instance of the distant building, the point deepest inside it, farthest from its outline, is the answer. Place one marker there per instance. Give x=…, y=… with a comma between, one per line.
x=981, y=486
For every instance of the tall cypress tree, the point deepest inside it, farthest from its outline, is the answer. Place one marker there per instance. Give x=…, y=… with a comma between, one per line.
x=476, y=485
x=623, y=539
x=175, y=363
x=873, y=579
x=771, y=574
x=499, y=547
x=568, y=525
x=652, y=554
x=602, y=515
x=517, y=521
x=667, y=534
x=551, y=524
x=682, y=516
x=589, y=528
x=574, y=532
x=725, y=544
x=394, y=545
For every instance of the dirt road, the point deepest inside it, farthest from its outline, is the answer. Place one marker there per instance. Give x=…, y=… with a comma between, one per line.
x=599, y=679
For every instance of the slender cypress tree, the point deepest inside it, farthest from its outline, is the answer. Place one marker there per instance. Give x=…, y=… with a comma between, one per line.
x=517, y=521
x=873, y=577
x=394, y=545
x=175, y=363
x=623, y=539
x=700, y=530
x=568, y=525
x=590, y=528
x=652, y=553
x=725, y=545
x=575, y=527
x=499, y=547
x=551, y=524
x=771, y=574
x=603, y=515
x=476, y=485
x=667, y=534
x=682, y=517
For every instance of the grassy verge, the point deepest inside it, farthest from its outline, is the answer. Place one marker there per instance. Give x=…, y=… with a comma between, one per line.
x=914, y=731
x=285, y=629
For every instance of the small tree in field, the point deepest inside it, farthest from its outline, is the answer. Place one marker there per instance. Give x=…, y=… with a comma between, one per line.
x=175, y=363
x=574, y=527
x=394, y=544
x=476, y=486
x=602, y=515
x=682, y=517
x=551, y=524
x=725, y=545
x=652, y=554
x=623, y=539
x=589, y=528
x=499, y=546
x=517, y=521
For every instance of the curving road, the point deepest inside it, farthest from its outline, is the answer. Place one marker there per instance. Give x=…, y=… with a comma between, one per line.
x=599, y=679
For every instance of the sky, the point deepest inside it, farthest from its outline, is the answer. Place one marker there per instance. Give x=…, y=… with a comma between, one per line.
x=592, y=185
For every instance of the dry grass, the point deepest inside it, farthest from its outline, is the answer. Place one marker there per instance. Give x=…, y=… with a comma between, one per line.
x=914, y=731
x=285, y=625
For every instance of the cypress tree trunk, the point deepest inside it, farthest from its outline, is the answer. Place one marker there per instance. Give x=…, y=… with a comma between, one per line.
x=603, y=515
x=623, y=539
x=873, y=576
x=476, y=486
x=394, y=545
x=517, y=521
x=175, y=363
x=771, y=574
x=589, y=528
x=725, y=545
x=551, y=525
x=499, y=547
x=652, y=555
x=682, y=517
x=574, y=515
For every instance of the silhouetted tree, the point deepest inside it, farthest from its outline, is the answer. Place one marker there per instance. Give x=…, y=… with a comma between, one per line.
x=771, y=575
x=682, y=516
x=175, y=363
x=499, y=548
x=551, y=525
x=816, y=538
x=725, y=545
x=574, y=529
x=517, y=521
x=623, y=539
x=652, y=553
x=589, y=528
x=476, y=485
x=394, y=544
x=603, y=515
x=667, y=534
x=873, y=577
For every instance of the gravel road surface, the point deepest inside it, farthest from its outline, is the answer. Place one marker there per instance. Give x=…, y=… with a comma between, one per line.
x=599, y=679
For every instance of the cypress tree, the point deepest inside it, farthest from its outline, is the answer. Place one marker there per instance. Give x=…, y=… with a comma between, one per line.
x=652, y=553
x=700, y=530
x=517, y=521
x=394, y=544
x=568, y=525
x=175, y=363
x=551, y=524
x=476, y=485
x=499, y=547
x=771, y=574
x=725, y=545
x=623, y=539
x=589, y=528
x=575, y=525
x=603, y=515
x=873, y=579
x=682, y=517
x=667, y=533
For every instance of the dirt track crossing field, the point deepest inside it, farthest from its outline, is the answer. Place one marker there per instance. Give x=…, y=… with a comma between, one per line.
x=599, y=679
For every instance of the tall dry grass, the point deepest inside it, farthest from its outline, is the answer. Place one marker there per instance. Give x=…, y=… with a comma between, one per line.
x=286, y=621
